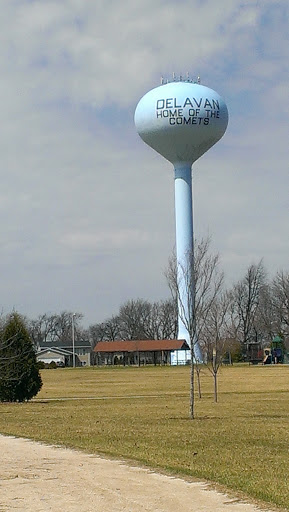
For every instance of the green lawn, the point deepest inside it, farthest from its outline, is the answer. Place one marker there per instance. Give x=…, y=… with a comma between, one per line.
x=142, y=414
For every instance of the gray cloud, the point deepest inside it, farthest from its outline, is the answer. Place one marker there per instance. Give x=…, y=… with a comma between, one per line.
x=86, y=208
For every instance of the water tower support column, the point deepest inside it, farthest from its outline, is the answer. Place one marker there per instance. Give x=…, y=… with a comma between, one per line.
x=184, y=241
x=185, y=249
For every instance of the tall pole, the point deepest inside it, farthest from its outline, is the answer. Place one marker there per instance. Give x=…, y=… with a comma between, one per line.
x=185, y=254
x=184, y=244
x=73, y=340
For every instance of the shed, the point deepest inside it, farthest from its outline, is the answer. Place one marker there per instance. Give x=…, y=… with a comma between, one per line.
x=137, y=352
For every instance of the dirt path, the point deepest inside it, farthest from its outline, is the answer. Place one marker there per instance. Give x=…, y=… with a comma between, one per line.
x=37, y=478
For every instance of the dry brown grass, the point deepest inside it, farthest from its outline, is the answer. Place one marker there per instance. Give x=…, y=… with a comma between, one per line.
x=142, y=414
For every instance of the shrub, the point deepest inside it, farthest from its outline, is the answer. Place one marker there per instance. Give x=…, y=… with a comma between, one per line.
x=20, y=379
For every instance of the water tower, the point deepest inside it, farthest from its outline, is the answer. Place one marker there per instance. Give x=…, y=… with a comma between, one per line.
x=181, y=120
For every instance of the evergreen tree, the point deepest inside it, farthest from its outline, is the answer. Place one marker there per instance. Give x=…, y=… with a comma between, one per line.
x=20, y=379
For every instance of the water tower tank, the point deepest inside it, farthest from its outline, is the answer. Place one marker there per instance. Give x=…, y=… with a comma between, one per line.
x=181, y=120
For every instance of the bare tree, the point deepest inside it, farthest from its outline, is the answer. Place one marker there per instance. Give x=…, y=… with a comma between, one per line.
x=246, y=302
x=280, y=302
x=195, y=286
x=169, y=319
x=112, y=328
x=97, y=332
x=161, y=321
x=266, y=320
x=55, y=327
x=138, y=320
x=63, y=323
x=133, y=317
x=214, y=336
x=42, y=329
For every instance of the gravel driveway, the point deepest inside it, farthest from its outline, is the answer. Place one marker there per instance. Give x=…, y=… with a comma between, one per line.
x=36, y=477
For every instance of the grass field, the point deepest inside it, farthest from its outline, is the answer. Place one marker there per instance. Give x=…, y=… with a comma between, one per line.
x=142, y=414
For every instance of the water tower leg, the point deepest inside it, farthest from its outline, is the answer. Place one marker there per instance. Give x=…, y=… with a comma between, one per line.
x=185, y=251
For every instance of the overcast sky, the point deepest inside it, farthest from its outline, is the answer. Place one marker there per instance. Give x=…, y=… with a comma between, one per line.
x=86, y=208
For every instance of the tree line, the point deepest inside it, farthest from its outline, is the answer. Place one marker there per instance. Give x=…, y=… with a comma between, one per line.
x=252, y=311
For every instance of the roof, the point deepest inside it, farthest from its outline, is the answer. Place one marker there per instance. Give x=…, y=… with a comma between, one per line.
x=65, y=344
x=140, y=345
x=55, y=350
